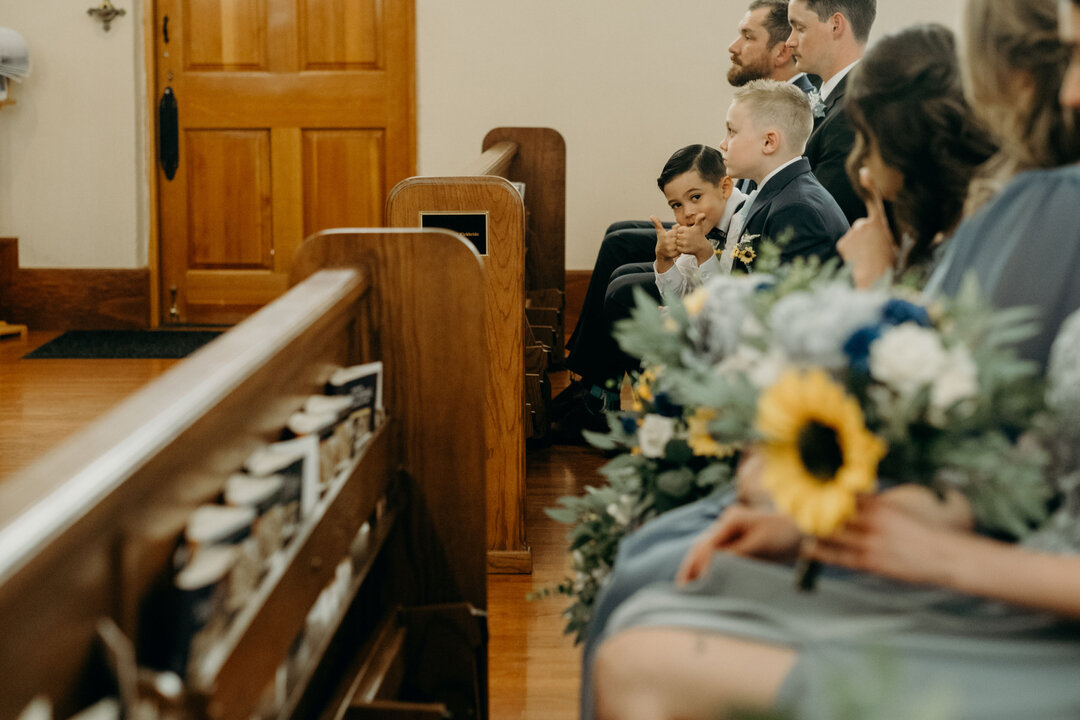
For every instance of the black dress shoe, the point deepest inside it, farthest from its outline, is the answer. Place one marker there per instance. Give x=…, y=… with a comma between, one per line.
x=585, y=414
x=568, y=398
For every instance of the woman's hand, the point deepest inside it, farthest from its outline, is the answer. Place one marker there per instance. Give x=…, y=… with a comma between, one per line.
x=953, y=511
x=869, y=247
x=887, y=538
x=742, y=530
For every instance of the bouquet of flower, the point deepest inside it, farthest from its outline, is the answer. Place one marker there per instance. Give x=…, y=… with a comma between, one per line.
x=835, y=387
x=669, y=459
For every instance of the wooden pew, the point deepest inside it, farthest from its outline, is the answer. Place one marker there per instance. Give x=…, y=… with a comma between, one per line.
x=87, y=533
x=522, y=239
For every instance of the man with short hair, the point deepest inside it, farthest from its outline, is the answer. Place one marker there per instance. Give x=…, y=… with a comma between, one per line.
x=828, y=38
x=760, y=52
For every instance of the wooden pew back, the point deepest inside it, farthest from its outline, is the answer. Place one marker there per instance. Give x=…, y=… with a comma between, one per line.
x=87, y=532
x=525, y=258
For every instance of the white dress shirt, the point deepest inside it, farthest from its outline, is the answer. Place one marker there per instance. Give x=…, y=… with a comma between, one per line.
x=830, y=85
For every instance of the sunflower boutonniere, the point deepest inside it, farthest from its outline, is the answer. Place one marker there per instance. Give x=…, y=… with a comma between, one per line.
x=744, y=250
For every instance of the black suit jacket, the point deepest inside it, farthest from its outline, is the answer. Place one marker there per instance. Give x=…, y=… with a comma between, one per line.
x=827, y=150
x=794, y=205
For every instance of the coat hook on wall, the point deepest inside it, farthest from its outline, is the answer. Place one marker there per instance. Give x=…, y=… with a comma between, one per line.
x=106, y=12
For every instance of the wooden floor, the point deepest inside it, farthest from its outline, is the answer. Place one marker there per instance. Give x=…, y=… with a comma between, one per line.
x=534, y=667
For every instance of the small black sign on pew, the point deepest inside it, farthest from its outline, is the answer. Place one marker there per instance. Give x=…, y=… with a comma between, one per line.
x=473, y=226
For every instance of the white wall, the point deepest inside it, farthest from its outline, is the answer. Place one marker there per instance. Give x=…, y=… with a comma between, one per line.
x=625, y=81
x=71, y=187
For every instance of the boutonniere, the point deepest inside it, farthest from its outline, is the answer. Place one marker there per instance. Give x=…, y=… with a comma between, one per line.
x=744, y=250
x=817, y=105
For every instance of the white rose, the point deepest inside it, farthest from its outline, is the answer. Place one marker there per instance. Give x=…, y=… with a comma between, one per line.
x=907, y=358
x=654, y=434
x=957, y=381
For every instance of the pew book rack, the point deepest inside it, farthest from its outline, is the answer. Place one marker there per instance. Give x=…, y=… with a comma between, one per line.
x=87, y=533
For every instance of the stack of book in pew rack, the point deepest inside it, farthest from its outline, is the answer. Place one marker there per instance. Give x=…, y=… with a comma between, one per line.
x=233, y=553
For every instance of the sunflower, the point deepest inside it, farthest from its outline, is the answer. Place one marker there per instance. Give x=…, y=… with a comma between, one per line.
x=643, y=387
x=701, y=440
x=745, y=255
x=818, y=453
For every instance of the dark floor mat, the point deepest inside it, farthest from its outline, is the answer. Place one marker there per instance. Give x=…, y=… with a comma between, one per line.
x=85, y=344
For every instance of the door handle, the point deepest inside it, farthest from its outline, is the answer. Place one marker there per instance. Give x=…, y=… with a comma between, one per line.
x=168, y=134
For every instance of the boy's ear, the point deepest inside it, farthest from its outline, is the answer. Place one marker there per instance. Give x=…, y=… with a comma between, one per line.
x=771, y=141
x=726, y=186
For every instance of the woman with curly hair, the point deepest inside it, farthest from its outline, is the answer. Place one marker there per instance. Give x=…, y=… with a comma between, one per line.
x=918, y=146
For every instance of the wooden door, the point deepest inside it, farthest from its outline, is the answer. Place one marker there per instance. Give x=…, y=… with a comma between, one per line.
x=293, y=116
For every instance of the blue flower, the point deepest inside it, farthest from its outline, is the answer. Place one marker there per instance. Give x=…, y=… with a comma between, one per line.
x=898, y=312
x=629, y=424
x=857, y=347
x=663, y=406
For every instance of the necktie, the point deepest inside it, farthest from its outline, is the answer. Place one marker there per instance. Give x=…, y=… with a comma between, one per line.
x=735, y=232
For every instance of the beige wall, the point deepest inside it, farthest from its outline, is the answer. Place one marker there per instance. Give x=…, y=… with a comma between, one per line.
x=71, y=185
x=625, y=82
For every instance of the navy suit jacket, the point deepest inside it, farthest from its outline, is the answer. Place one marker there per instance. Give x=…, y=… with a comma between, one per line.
x=794, y=205
x=827, y=150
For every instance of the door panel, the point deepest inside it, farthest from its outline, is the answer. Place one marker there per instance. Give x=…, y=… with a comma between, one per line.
x=341, y=168
x=341, y=34
x=294, y=116
x=229, y=201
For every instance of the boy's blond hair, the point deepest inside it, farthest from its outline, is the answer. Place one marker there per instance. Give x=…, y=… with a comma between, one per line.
x=781, y=105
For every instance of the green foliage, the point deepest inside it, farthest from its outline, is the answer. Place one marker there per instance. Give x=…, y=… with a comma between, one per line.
x=638, y=488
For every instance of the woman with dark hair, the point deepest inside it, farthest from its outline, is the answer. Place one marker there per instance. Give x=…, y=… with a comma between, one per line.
x=918, y=146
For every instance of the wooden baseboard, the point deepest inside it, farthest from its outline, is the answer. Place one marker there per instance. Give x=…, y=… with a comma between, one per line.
x=72, y=298
x=509, y=562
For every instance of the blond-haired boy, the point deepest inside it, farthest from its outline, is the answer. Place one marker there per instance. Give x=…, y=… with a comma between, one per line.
x=768, y=124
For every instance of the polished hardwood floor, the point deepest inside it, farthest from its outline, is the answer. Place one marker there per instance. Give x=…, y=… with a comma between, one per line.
x=534, y=668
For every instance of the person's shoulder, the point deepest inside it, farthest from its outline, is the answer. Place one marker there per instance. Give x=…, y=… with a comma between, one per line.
x=1035, y=181
x=1047, y=191
x=807, y=201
